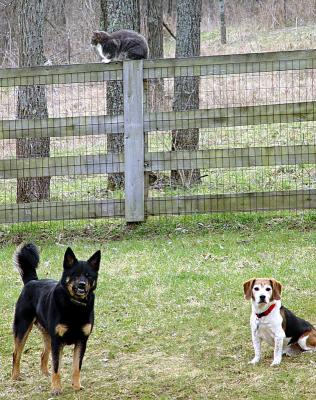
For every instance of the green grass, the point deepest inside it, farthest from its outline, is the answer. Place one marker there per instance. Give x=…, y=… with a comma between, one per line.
x=171, y=322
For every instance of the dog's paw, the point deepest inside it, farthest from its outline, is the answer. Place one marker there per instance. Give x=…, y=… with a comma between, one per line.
x=15, y=375
x=275, y=363
x=45, y=372
x=56, y=391
x=254, y=361
x=77, y=387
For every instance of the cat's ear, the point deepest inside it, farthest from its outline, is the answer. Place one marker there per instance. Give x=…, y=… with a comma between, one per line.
x=101, y=34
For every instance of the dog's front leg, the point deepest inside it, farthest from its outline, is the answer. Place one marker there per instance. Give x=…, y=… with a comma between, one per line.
x=278, y=350
x=57, y=348
x=256, y=341
x=79, y=351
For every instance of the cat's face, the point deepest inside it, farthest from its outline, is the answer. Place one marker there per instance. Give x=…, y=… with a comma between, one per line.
x=99, y=37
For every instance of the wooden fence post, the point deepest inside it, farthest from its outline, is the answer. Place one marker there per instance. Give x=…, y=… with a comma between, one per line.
x=133, y=140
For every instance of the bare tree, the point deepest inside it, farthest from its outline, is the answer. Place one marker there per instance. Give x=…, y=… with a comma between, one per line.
x=57, y=12
x=4, y=35
x=169, y=9
x=155, y=44
x=143, y=10
x=285, y=11
x=123, y=14
x=222, y=21
x=186, y=92
x=104, y=16
x=32, y=102
x=155, y=28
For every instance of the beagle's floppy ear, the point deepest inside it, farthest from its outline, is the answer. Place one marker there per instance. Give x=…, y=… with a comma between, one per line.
x=248, y=285
x=276, y=289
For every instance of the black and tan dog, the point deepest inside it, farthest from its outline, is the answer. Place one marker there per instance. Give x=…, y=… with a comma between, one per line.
x=63, y=311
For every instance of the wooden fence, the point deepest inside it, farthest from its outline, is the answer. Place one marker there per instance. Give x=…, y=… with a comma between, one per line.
x=137, y=161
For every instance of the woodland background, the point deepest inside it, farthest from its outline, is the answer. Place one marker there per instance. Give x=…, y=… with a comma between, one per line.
x=252, y=25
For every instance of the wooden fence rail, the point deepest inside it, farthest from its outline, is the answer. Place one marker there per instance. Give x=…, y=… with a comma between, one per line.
x=244, y=157
x=161, y=121
x=137, y=161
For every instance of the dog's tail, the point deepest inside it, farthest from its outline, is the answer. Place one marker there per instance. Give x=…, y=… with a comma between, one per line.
x=26, y=259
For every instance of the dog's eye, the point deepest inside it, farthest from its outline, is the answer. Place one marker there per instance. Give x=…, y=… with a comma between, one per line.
x=256, y=289
x=268, y=289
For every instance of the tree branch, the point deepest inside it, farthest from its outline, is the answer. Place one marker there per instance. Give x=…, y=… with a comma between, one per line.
x=168, y=29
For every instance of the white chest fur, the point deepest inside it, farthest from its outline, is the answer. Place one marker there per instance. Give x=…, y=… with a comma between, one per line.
x=269, y=327
x=265, y=331
x=99, y=50
x=269, y=330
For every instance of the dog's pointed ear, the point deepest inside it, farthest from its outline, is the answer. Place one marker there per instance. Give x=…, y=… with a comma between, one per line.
x=248, y=285
x=276, y=289
x=69, y=259
x=94, y=260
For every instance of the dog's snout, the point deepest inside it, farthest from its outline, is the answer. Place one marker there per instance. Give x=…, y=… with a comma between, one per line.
x=81, y=285
x=262, y=297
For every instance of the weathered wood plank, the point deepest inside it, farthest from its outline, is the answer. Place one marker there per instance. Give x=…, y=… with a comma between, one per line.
x=133, y=140
x=159, y=161
x=232, y=58
x=231, y=116
x=230, y=64
x=223, y=64
x=229, y=69
x=208, y=118
x=255, y=201
x=50, y=211
x=61, y=166
x=59, y=127
x=61, y=74
x=245, y=157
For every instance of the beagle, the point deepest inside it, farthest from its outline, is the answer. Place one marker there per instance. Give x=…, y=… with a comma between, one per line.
x=275, y=324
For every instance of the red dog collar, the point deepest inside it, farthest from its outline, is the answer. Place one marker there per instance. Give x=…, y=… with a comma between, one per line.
x=266, y=312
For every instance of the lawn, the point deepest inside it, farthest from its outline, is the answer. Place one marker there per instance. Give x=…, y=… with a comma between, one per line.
x=171, y=321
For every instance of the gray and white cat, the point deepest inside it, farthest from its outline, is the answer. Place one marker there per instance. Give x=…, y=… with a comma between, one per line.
x=119, y=45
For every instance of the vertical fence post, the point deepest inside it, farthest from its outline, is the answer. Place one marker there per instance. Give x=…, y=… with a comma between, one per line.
x=133, y=140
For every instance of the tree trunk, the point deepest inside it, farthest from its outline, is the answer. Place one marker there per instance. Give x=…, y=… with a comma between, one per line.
x=170, y=7
x=57, y=11
x=155, y=44
x=143, y=10
x=32, y=102
x=104, y=16
x=123, y=14
x=186, y=91
x=222, y=21
x=4, y=37
x=285, y=11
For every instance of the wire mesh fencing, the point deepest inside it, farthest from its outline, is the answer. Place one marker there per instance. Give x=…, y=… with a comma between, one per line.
x=233, y=133
x=55, y=129
x=158, y=137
